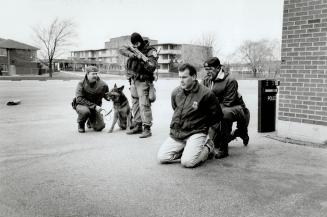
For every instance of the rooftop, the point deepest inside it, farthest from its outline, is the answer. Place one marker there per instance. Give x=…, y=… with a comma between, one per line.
x=11, y=44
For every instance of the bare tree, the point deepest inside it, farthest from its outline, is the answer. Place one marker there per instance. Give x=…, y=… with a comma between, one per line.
x=209, y=42
x=54, y=39
x=259, y=55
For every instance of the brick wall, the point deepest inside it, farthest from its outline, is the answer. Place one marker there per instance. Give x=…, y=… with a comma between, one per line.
x=24, y=61
x=303, y=90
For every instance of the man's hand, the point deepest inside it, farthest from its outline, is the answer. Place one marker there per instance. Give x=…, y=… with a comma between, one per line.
x=98, y=108
x=135, y=55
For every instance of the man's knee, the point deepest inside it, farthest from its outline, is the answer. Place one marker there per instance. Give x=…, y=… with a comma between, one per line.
x=229, y=115
x=188, y=162
x=164, y=157
x=99, y=127
x=83, y=113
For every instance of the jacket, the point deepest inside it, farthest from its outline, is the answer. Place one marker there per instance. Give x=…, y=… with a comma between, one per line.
x=138, y=69
x=225, y=89
x=91, y=96
x=194, y=111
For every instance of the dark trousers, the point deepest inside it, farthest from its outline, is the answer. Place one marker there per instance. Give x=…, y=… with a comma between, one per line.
x=231, y=114
x=86, y=114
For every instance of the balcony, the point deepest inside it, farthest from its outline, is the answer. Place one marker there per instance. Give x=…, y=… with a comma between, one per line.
x=160, y=60
x=169, y=51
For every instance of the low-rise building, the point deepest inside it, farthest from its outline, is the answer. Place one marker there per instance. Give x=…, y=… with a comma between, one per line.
x=17, y=58
x=108, y=58
x=171, y=54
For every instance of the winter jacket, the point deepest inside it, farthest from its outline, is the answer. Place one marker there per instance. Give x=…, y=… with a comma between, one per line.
x=138, y=69
x=194, y=111
x=91, y=95
x=225, y=89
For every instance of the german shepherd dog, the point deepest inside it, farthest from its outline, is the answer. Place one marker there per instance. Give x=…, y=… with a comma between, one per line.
x=122, y=110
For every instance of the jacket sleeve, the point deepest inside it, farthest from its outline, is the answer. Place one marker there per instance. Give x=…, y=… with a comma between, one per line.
x=106, y=93
x=125, y=51
x=231, y=93
x=151, y=64
x=206, y=81
x=216, y=114
x=80, y=100
x=173, y=100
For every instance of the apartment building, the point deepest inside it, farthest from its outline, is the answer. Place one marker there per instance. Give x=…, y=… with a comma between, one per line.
x=108, y=58
x=172, y=54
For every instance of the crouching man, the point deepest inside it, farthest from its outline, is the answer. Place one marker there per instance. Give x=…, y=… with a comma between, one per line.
x=196, y=109
x=88, y=101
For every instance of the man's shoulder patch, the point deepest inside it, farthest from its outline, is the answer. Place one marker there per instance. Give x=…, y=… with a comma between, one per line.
x=154, y=53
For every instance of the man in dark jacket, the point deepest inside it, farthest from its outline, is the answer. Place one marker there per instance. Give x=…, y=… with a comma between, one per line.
x=196, y=110
x=88, y=101
x=225, y=89
x=140, y=68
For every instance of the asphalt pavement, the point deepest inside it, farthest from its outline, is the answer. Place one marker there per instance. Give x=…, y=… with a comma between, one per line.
x=49, y=169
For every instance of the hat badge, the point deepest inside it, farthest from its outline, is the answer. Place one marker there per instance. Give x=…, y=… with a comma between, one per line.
x=195, y=105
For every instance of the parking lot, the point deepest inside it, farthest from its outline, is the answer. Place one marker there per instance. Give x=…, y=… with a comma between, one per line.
x=48, y=169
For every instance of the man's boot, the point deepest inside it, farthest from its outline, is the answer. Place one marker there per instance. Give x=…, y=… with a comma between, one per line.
x=81, y=127
x=136, y=130
x=222, y=151
x=243, y=136
x=88, y=124
x=147, y=132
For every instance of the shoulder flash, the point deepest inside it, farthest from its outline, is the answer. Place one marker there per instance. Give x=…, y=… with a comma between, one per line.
x=154, y=53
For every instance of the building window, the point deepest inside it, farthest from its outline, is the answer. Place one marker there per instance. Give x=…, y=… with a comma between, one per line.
x=4, y=67
x=3, y=52
x=165, y=46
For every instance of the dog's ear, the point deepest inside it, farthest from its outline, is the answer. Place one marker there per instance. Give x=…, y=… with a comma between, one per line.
x=121, y=88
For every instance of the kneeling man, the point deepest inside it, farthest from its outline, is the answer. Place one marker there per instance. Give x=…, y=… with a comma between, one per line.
x=88, y=101
x=196, y=109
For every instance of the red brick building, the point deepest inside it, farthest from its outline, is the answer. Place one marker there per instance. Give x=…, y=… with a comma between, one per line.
x=303, y=92
x=17, y=58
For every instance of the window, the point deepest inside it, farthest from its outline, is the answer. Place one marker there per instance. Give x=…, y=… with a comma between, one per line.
x=165, y=47
x=4, y=67
x=3, y=52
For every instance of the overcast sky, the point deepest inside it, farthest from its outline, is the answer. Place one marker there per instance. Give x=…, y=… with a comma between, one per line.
x=178, y=21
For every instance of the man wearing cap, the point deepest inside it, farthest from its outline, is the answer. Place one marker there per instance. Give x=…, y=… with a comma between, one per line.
x=197, y=115
x=88, y=100
x=225, y=88
x=140, y=74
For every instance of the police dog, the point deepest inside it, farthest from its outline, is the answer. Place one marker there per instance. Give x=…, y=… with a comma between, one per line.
x=122, y=110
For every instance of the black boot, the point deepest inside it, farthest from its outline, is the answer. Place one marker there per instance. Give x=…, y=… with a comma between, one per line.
x=147, y=132
x=81, y=127
x=136, y=130
x=221, y=154
x=88, y=124
x=243, y=135
x=222, y=151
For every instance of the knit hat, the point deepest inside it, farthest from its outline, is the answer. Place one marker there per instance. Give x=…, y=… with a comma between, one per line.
x=212, y=62
x=136, y=37
x=91, y=69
